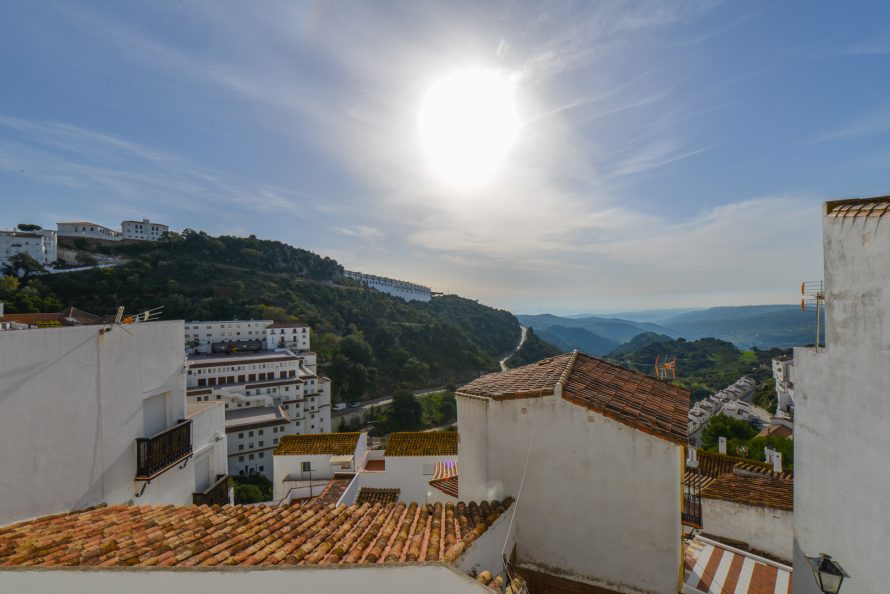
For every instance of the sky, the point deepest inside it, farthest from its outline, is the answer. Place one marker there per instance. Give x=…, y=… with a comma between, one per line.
x=668, y=154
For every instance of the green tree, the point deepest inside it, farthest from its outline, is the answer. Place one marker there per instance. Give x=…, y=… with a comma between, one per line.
x=86, y=259
x=23, y=266
x=246, y=493
x=406, y=411
x=733, y=430
x=29, y=227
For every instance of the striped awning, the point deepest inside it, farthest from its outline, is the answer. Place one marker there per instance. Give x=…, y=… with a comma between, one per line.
x=445, y=478
x=715, y=568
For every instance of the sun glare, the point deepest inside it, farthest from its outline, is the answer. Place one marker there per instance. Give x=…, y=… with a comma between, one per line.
x=468, y=123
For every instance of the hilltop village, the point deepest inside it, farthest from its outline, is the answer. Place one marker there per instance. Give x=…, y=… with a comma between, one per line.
x=127, y=433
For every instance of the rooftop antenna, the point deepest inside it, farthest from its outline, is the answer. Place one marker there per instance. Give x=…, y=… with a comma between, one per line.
x=666, y=365
x=149, y=315
x=813, y=293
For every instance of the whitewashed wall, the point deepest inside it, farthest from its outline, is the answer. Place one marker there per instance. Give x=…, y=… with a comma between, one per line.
x=208, y=441
x=600, y=502
x=841, y=471
x=765, y=529
x=71, y=408
x=293, y=466
x=394, y=579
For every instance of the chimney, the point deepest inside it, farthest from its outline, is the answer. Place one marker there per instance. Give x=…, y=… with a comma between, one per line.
x=721, y=444
x=692, y=457
x=777, y=461
x=1, y=309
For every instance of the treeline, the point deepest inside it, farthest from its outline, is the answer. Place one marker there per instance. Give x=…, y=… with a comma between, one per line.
x=369, y=343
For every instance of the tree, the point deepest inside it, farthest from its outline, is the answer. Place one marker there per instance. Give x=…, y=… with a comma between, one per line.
x=406, y=410
x=733, y=430
x=29, y=227
x=86, y=259
x=23, y=266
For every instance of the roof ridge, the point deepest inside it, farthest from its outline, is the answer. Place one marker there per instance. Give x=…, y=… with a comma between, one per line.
x=570, y=366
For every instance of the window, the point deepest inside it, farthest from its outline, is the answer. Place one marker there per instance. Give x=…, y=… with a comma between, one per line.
x=261, y=445
x=241, y=436
x=261, y=468
x=241, y=447
x=307, y=466
x=240, y=458
x=260, y=432
x=250, y=434
x=262, y=454
x=275, y=441
x=250, y=457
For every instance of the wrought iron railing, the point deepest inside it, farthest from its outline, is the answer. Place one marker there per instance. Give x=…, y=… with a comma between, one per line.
x=216, y=494
x=691, y=515
x=159, y=452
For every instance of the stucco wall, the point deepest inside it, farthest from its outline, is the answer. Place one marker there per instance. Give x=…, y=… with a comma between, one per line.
x=765, y=529
x=600, y=502
x=404, y=473
x=406, y=579
x=70, y=411
x=841, y=476
x=293, y=466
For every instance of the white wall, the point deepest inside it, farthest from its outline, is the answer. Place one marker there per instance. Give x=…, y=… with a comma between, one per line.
x=429, y=578
x=405, y=473
x=70, y=412
x=841, y=477
x=600, y=502
x=293, y=466
x=765, y=529
x=486, y=552
x=209, y=441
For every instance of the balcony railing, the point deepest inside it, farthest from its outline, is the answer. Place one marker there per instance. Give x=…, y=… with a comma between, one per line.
x=691, y=515
x=159, y=452
x=216, y=494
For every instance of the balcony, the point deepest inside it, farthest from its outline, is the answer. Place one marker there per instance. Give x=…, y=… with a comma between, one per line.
x=157, y=453
x=691, y=514
x=216, y=494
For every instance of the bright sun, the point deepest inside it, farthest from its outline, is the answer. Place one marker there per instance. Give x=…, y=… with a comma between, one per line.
x=468, y=123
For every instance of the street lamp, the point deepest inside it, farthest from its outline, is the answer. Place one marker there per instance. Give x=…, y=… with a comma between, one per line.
x=829, y=573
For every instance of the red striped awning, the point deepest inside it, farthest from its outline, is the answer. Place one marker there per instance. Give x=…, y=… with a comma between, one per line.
x=715, y=568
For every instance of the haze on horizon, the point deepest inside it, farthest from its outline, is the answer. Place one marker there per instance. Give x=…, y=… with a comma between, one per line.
x=662, y=155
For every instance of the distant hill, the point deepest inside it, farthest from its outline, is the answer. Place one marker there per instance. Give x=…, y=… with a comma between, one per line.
x=655, y=316
x=761, y=326
x=613, y=329
x=368, y=342
x=569, y=339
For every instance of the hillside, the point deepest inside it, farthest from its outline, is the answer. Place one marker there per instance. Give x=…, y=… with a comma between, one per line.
x=368, y=343
x=534, y=349
x=704, y=366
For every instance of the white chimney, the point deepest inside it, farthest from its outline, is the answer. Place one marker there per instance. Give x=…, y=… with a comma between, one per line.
x=777, y=461
x=1, y=309
x=692, y=457
x=721, y=445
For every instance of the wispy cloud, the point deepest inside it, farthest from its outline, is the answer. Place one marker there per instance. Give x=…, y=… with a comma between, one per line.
x=360, y=231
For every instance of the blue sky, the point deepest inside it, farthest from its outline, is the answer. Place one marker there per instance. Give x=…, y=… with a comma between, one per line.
x=671, y=154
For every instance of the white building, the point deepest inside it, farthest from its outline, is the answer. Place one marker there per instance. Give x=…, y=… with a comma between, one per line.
x=306, y=462
x=598, y=450
x=41, y=245
x=783, y=373
x=266, y=395
x=88, y=230
x=415, y=466
x=755, y=509
x=143, y=230
x=97, y=414
x=842, y=476
x=390, y=286
x=732, y=401
x=245, y=335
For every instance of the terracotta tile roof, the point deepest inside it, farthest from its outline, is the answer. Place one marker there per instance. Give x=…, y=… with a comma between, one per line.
x=763, y=491
x=188, y=536
x=535, y=379
x=691, y=478
x=710, y=567
x=332, y=493
x=445, y=478
x=495, y=582
x=427, y=443
x=372, y=495
x=713, y=464
x=859, y=207
x=630, y=397
x=317, y=444
x=776, y=430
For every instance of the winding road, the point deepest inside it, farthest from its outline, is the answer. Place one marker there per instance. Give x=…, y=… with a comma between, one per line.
x=519, y=346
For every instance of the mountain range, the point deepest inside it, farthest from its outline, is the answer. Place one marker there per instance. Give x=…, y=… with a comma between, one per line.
x=761, y=326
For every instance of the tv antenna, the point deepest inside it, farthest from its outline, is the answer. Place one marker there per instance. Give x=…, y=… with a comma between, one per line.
x=666, y=365
x=812, y=293
x=149, y=315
